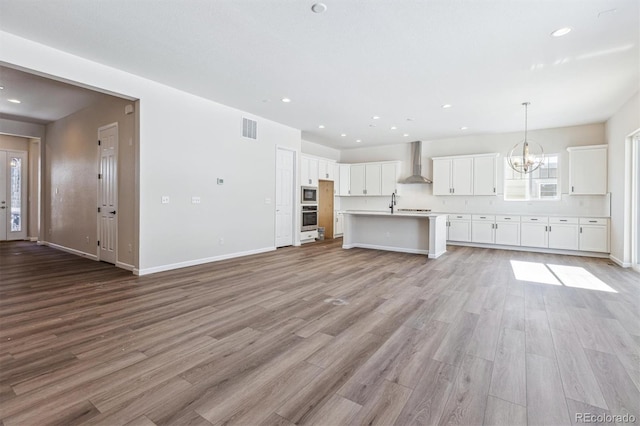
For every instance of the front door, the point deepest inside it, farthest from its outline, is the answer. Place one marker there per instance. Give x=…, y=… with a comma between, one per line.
x=284, y=197
x=108, y=193
x=13, y=195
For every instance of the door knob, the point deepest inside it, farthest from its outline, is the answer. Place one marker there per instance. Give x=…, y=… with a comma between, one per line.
x=113, y=212
x=3, y=207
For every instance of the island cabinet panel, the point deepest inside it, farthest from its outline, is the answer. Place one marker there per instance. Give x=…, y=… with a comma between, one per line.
x=588, y=170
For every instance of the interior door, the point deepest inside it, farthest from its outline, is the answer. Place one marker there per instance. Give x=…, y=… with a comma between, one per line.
x=13, y=195
x=108, y=193
x=284, y=197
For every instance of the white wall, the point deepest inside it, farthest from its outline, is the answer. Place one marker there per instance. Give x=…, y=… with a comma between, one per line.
x=554, y=141
x=623, y=123
x=186, y=142
x=313, y=148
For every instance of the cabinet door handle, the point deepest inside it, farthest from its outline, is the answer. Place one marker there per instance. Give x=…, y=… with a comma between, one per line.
x=581, y=229
x=483, y=217
x=549, y=228
x=545, y=228
x=534, y=219
x=572, y=190
x=593, y=221
x=494, y=189
x=563, y=220
x=496, y=226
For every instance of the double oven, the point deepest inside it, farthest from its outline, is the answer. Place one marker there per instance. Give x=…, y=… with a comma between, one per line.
x=309, y=210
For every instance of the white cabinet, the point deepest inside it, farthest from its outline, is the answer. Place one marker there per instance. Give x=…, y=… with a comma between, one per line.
x=588, y=170
x=344, y=172
x=366, y=179
x=308, y=171
x=453, y=176
x=459, y=227
x=533, y=231
x=466, y=175
x=338, y=228
x=594, y=234
x=507, y=230
x=563, y=233
x=389, y=179
x=485, y=174
x=325, y=169
x=482, y=229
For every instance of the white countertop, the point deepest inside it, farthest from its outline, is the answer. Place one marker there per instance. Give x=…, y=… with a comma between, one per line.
x=389, y=214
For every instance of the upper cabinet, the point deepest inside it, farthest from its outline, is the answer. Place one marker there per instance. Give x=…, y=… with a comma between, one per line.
x=365, y=179
x=344, y=172
x=326, y=169
x=485, y=174
x=308, y=171
x=368, y=179
x=389, y=178
x=588, y=170
x=465, y=175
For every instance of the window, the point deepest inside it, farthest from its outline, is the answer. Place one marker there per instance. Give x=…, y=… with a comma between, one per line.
x=542, y=184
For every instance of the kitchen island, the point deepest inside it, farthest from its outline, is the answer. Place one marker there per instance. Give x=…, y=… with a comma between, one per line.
x=407, y=232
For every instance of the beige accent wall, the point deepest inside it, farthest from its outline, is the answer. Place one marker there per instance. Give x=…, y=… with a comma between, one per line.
x=70, y=178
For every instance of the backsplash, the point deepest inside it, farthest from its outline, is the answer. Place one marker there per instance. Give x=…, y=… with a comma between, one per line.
x=419, y=196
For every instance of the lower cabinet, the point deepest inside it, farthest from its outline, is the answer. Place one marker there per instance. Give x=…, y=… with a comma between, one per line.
x=507, y=230
x=563, y=233
x=459, y=227
x=594, y=234
x=338, y=228
x=533, y=231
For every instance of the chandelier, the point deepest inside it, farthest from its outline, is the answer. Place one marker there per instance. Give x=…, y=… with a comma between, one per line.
x=520, y=158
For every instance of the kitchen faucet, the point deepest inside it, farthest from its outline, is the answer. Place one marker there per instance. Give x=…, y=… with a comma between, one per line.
x=393, y=201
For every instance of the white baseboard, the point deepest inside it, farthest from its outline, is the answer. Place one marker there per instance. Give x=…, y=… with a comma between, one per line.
x=385, y=248
x=125, y=266
x=437, y=254
x=620, y=262
x=69, y=250
x=531, y=249
x=162, y=268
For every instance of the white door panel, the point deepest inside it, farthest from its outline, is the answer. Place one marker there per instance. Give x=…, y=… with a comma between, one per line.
x=13, y=195
x=108, y=194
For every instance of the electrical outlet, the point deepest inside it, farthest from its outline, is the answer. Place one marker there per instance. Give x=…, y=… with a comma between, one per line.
x=195, y=200
x=220, y=181
x=130, y=247
x=87, y=238
x=165, y=199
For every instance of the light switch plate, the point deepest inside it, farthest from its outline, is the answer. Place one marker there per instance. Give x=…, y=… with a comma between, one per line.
x=220, y=181
x=195, y=200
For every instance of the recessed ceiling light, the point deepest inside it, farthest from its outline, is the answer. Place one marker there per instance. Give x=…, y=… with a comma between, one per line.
x=321, y=126
x=463, y=128
x=560, y=32
x=405, y=135
x=286, y=100
x=318, y=7
x=358, y=140
x=14, y=101
x=375, y=117
x=445, y=106
x=393, y=127
x=1, y=87
x=343, y=134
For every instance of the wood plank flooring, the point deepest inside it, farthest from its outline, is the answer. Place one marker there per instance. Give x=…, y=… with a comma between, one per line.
x=316, y=335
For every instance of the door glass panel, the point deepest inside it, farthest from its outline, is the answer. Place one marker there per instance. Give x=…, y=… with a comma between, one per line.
x=15, y=186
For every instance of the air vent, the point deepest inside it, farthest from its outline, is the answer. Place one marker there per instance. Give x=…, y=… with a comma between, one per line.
x=249, y=128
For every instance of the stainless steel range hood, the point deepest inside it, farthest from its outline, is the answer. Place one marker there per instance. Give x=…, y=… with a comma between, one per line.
x=416, y=159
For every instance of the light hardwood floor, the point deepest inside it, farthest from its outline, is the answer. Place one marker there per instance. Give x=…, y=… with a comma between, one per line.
x=317, y=335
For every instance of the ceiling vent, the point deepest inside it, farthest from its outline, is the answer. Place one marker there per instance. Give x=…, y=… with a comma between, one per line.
x=249, y=128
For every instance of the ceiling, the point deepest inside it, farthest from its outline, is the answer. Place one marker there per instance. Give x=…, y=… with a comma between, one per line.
x=399, y=60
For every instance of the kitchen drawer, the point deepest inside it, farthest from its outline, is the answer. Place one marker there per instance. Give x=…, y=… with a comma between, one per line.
x=564, y=220
x=459, y=217
x=308, y=235
x=507, y=218
x=483, y=218
x=593, y=221
x=534, y=219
